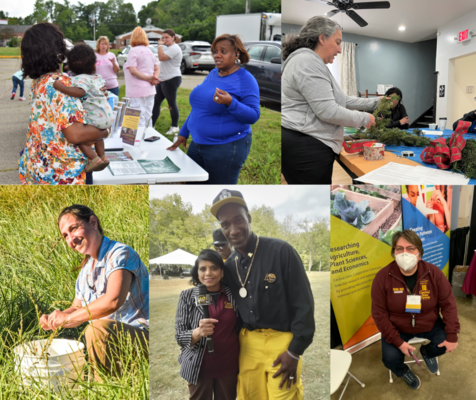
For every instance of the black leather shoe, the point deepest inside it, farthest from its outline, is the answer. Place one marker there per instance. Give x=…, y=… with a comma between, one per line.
x=411, y=379
x=431, y=363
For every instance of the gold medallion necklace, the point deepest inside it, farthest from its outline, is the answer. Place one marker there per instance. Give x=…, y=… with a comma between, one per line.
x=243, y=292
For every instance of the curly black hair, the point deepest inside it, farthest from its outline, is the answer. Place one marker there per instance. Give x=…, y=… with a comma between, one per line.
x=208, y=255
x=82, y=60
x=42, y=50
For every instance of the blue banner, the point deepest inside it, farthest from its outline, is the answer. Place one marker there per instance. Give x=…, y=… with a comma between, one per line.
x=426, y=211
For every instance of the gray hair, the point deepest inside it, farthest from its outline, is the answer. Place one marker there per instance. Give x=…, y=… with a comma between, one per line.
x=309, y=35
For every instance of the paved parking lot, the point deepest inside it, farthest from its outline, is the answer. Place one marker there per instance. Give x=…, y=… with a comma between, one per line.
x=14, y=116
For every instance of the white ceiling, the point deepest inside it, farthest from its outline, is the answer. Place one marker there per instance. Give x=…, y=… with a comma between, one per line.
x=422, y=18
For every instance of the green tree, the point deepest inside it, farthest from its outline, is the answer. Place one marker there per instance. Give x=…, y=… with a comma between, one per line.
x=264, y=222
x=40, y=14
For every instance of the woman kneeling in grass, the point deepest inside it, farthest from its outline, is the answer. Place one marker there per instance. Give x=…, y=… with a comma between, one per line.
x=112, y=291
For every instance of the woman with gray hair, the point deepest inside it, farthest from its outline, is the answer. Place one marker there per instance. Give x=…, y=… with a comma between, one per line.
x=314, y=109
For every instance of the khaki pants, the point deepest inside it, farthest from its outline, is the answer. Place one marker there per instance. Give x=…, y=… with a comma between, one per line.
x=106, y=340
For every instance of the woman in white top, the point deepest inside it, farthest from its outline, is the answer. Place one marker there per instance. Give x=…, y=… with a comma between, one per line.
x=170, y=79
x=106, y=65
x=141, y=73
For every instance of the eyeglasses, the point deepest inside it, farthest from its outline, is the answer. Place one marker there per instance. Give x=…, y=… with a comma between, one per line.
x=219, y=247
x=409, y=249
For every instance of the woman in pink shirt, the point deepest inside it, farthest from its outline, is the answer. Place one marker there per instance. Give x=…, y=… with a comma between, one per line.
x=141, y=72
x=106, y=65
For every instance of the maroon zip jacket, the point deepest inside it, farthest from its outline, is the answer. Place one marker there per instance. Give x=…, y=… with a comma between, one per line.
x=389, y=296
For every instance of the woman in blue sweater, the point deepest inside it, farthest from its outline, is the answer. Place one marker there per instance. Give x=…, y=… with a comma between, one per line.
x=223, y=108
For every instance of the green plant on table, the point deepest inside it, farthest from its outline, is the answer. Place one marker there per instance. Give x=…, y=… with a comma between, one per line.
x=391, y=136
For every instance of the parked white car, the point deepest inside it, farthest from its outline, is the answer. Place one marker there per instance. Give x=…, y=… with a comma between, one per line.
x=122, y=56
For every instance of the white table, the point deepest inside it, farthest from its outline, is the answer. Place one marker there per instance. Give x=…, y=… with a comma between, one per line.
x=190, y=171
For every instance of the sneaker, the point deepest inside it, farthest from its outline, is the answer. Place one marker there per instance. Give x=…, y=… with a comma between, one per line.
x=411, y=379
x=431, y=363
x=21, y=98
x=13, y=96
x=172, y=130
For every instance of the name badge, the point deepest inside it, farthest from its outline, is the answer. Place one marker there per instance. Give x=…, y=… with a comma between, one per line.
x=413, y=304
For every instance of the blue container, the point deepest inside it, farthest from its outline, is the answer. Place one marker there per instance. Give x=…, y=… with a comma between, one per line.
x=113, y=100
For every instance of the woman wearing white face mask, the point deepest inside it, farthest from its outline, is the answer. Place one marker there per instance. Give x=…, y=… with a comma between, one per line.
x=407, y=298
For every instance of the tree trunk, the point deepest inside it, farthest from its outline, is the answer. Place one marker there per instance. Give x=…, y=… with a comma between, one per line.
x=310, y=261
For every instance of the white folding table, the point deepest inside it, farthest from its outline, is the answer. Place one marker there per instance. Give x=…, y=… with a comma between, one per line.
x=190, y=171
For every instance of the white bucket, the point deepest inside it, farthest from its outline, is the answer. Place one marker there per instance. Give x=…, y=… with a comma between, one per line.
x=62, y=365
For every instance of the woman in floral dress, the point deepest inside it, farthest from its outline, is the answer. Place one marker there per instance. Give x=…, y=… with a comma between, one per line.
x=51, y=155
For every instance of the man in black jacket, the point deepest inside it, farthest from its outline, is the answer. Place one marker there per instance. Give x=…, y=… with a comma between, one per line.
x=274, y=298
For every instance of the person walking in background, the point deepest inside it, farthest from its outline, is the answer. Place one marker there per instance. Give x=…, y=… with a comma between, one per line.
x=407, y=298
x=314, y=107
x=17, y=79
x=106, y=65
x=209, y=376
x=224, y=107
x=274, y=299
x=170, y=79
x=141, y=72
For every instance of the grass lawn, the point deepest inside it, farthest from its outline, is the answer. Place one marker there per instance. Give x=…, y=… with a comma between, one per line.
x=10, y=51
x=165, y=380
x=263, y=166
x=37, y=277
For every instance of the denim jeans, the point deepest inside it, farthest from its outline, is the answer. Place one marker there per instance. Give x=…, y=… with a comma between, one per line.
x=167, y=90
x=18, y=82
x=223, y=162
x=393, y=358
x=114, y=90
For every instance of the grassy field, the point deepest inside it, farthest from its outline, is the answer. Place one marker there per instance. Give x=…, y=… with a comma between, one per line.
x=36, y=277
x=10, y=51
x=263, y=166
x=166, y=382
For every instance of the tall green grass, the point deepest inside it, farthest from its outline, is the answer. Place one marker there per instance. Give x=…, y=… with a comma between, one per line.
x=36, y=278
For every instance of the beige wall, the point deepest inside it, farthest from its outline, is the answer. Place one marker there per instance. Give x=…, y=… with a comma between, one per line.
x=465, y=75
x=465, y=204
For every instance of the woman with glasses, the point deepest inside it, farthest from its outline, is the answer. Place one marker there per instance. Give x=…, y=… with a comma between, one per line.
x=407, y=298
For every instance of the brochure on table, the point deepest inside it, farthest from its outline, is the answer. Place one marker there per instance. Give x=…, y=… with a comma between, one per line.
x=122, y=163
x=130, y=126
x=165, y=166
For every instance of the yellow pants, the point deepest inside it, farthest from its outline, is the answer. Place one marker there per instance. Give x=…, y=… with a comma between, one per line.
x=258, y=350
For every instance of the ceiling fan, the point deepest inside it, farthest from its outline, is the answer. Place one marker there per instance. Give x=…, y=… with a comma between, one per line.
x=348, y=7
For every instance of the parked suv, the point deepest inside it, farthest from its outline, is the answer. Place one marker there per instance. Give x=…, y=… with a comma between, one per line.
x=122, y=56
x=265, y=66
x=196, y=56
